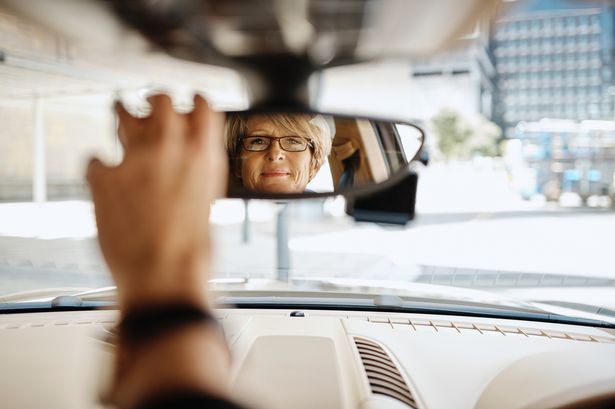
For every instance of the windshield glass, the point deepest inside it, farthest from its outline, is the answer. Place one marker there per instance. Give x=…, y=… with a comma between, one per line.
x=515, y=200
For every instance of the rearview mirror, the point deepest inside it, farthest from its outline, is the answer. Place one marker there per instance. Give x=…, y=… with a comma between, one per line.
x=279, y=155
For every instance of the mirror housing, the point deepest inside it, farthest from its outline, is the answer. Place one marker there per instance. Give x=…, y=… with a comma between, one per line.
x=363, y=154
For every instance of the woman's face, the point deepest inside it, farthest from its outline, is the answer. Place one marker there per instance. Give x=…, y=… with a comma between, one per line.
x=274, y=170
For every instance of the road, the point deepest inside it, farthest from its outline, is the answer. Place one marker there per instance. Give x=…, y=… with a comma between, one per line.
x=471, y=229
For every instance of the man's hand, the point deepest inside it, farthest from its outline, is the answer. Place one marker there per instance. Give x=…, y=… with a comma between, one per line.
x=152, y=210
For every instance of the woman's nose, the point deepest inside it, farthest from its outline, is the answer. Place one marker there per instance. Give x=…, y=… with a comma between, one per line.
x=275, y=151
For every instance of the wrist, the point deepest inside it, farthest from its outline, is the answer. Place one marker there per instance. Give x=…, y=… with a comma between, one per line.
x=184, y=281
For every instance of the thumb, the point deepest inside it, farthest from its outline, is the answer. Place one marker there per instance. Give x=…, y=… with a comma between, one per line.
x=94, y=171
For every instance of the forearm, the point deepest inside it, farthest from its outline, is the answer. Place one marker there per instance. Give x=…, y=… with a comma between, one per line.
x=152, y=212
x=171, y=350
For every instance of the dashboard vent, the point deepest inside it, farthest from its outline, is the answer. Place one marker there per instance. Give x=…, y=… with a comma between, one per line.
x=382, y=373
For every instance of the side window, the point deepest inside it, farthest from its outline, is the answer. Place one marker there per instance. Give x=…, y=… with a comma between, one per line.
x=323, y=181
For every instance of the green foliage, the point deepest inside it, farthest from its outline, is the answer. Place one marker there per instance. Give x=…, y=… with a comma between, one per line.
x=451, y=132
x=458, y=139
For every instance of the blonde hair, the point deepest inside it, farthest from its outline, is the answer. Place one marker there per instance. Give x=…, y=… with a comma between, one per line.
x=292, y=124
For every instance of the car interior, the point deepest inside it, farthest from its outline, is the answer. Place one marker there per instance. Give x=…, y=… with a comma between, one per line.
x=298, y=345
x=333, y=359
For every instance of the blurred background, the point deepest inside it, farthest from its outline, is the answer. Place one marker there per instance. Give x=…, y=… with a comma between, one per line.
x=519, y=190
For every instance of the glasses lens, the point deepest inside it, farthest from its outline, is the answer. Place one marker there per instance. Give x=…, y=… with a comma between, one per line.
x=256, y=143
x=293, y=143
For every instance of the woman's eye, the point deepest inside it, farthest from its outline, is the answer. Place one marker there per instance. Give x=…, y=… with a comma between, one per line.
x=258, y=141
x=294, y=141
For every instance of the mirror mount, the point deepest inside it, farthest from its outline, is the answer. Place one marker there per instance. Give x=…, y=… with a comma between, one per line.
x=277, y=82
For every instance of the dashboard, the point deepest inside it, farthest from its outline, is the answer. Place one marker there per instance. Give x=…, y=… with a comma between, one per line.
x=329, y=359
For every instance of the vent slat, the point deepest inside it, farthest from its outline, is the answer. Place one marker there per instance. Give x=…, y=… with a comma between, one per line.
x=397, y=382
x=368, y=352
x=369, y=347
x=388, y=385
x=379, y=362
x=383, y=391
x=377, y=369
x=383, y=375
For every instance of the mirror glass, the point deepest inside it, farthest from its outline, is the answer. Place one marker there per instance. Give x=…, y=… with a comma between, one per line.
x=277, y=153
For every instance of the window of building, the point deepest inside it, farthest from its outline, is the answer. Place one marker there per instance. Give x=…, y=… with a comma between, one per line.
x=569, y=41
x=594, y=19
x=558, y=23
x=581, y=108
x=594, y=111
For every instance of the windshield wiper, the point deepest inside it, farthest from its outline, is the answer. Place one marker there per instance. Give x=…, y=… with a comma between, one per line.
x=59, y=303
x=592, y=309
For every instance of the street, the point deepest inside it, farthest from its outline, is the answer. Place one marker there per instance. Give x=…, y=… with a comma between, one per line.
x=471, y=229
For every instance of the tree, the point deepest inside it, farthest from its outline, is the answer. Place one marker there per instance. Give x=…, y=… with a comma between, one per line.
x=485, y=138
x=457, y=138
x=451, y=133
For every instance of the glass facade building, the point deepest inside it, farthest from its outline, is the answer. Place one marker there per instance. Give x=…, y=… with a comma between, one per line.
x=554, y=59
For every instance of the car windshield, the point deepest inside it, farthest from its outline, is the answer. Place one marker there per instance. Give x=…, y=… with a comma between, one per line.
x=515, y=196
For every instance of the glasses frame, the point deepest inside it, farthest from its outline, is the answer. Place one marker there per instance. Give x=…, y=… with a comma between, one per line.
x=277, y=139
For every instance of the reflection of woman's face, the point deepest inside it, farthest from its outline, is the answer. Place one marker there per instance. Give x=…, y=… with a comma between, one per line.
x=274, y=170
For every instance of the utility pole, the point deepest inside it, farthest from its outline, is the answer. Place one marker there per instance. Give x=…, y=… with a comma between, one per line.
x=283, y=252
x=245, y=231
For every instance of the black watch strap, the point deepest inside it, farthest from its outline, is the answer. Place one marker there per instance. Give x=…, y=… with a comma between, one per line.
x=143, y=324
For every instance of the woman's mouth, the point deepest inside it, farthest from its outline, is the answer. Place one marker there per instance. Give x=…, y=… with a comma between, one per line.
x=275, y=173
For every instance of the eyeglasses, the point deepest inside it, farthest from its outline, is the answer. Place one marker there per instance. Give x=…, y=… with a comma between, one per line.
x=287, y=143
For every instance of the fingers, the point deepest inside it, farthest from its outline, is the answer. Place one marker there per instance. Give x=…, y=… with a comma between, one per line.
x=161, y=104
x=163, y=120
x=164, y=124
x=129, y=128
x=161, y=123
x=198, y=118
x=207, y=124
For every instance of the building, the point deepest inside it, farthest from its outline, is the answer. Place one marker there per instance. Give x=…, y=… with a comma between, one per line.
x=563, y=156
x=554, y=59
x=461, y=79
